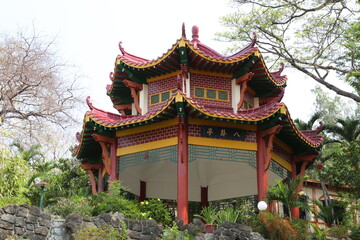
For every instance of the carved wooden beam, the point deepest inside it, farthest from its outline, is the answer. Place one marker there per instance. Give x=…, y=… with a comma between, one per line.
x=134, y=88
x=270, y=133
x=122, y=108
x=305, y=158
x=92, y=181
x=103, y=141
x=242, y=81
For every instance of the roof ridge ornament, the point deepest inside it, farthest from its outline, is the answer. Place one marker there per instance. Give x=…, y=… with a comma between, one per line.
x=320, y=127
x=183, y=34
x=253, y=41
x=89, y=103
x=195, y=35
x=121, y=48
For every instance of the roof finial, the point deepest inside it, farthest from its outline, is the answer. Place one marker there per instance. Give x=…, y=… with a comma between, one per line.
x=183, y=31
x=253, y=40
x=195, y=33
x=121, y=48
x=89, y=103
x=320, y=127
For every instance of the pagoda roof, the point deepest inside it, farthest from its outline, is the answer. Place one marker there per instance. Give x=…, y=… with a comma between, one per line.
x=106, y=123
x=196, y=56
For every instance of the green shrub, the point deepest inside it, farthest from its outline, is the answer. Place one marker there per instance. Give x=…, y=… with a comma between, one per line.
x=114, y=201
x=208, y=214
x=319, y=233
x=277, y=227
x=301, y=228
x=355, y=233
x=79, y=205
x=338, y=231
x=228, y=214
x=174, y=233
x=156, y=209
x=13, y=200
x=105, y=233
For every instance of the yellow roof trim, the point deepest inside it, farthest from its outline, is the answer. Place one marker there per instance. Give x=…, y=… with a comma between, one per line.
x=151, y=63
x=213, y=74
x=169, y=75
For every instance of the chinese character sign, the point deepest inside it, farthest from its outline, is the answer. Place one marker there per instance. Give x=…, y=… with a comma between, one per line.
x=221, y=132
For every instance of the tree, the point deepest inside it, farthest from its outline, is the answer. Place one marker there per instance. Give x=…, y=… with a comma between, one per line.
x=301, y=125
x=346, y=130
x=317, y=38
x=34, y=86
x=285, y=193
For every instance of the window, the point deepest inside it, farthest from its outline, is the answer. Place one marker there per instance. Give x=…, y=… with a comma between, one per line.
x=161, y=97
x=212, y=94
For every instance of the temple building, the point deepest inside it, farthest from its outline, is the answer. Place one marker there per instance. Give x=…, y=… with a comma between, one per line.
x=194, y=125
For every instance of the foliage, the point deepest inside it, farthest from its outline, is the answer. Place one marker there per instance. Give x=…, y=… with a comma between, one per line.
x=342, y=169
x=301, y=227
x=174, y=233
x=285, y=193
x=14, y=173
x=77, y=204
x=114, y=201
x=315, y=37
x=228, y=214
x=355, y=233
x=277, y=227
x=309, y=125
x=156, y=209
x=105, y=233
x=327, y=213
x=320, y=233
x=338, y=231
x=208, y=214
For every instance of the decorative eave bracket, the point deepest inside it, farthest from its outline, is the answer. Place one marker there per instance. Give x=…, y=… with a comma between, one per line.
x=134, y=88
x=89, y=168
x=242, y=81
x=269, y=135
x=103, y=141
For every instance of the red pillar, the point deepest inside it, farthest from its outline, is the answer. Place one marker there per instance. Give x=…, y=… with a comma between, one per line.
x=204, y=197
x=295, y=211
x=182, y=171
x=142, y=196
x=113, y=160
x=262, y=176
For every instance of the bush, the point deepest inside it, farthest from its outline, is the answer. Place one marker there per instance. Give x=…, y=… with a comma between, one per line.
x=79, y=205
x=277, y=227
x=338, y=231
x=105, y=233
x=174, y=233
x=228, y=214
x=156, y=209
x=355, y=233
x=301, y=228
x=114, y=201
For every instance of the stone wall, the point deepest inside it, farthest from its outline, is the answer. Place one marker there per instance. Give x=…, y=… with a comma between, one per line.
x=26, y=221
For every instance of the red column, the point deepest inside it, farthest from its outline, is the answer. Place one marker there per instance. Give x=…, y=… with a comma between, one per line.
x=204, y=197
x=142, y=191
x=295, y=211
x=262, y=177
x=113, y=160
x=182, y=171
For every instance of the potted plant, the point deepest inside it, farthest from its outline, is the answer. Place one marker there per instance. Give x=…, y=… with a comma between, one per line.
x=208, y=215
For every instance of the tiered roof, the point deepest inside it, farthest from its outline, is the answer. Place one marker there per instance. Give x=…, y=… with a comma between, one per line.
x=196, y=56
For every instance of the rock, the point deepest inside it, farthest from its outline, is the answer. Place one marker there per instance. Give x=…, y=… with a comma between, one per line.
x=256, y=236
x=31, y=219
x=135, y=235
x=19, y=222
x=8, y=218
x=22, y=212
x=42, y=231
x=19, y=231
x=33, y=210
x=6, y=225
x=106, y=217
x=10, y=209
x=73, y=222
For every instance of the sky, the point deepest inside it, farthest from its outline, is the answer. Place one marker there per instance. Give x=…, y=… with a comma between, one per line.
x=87, y=34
